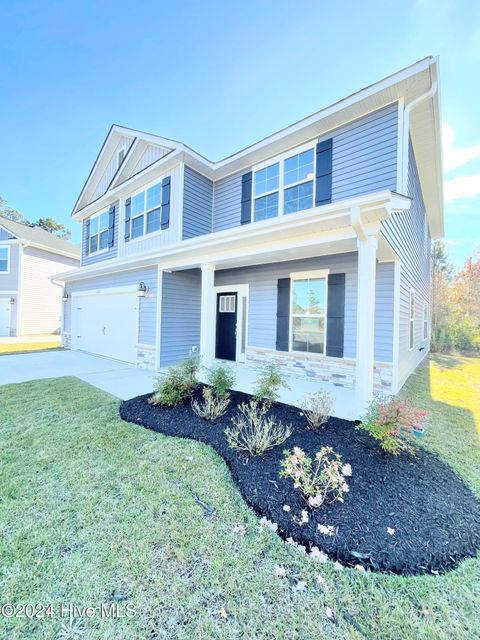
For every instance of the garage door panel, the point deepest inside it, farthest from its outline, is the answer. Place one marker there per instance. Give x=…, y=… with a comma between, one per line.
x=106, y=324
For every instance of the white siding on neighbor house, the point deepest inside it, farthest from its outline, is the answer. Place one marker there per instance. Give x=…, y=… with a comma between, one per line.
x=364, y=160
x=161, y=238
x=41, y=300
x=148, y=305
x=111, y=169
x=262, y=281
x=197, y=204
x=151, y=154
x=405, y=231
x=180, y=322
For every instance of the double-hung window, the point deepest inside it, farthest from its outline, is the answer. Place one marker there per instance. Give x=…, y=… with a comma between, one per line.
x=4, y=259
x=146, y=210
x=285, y=186
x=425, y=320
x=411, y=326
x=308, y=312
x=98, y=240
x=265, y=191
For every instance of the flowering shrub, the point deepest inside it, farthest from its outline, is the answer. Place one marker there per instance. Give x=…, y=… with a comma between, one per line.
x=253, y=431
x=392, y=423
x=317, y=408
x=321, y=479
x=213, y=405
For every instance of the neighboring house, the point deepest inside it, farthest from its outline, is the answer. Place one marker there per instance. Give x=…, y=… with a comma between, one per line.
x=30, y=303
x=310, y=247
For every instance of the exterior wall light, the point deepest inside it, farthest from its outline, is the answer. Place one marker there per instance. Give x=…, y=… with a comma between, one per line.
x=12, y=300
x=65, y=296
x=142, y=290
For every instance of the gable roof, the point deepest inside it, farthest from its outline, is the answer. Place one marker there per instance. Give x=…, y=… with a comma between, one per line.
x=407, y=86
x=40, y=238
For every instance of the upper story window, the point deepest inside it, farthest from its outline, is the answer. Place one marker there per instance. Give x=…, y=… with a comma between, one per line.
x=285, y=186
x=308, y=306
x=146, y=211
x=4, y=259
x=98, y=233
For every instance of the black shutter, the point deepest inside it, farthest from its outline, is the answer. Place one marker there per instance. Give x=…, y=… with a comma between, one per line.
x=166, y=203
x=111, y=225
x=246, y=198
x=283, y=313
x=323, y=176
x=335, y=314
x=128, y=207
x=87, y=237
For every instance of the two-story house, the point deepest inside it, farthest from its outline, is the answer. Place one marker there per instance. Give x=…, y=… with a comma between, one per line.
x=30, y=303
x=311, y=247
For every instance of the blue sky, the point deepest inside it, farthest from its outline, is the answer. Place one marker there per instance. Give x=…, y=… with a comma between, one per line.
x=218, y=76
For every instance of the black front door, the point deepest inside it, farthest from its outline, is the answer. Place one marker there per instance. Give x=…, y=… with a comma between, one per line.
x=226, y=342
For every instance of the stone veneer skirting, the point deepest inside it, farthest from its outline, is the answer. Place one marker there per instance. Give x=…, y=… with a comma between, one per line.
x=67, y=340
x=337, y=371
x=145, y=356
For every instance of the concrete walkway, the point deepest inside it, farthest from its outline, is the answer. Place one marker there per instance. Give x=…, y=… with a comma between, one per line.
x=118, y=378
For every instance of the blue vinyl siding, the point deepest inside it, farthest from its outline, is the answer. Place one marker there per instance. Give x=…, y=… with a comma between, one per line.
x=364, y=160
x=262, y=281
x=112, y=251
x=180, y=322
x=148, y=305
x=405, y=231
x=197, y=204
x=384, y=302
x=227, y=202
x=4, y=235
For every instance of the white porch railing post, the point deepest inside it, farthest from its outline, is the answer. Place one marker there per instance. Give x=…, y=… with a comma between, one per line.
x=367, y=259
x=207, y=315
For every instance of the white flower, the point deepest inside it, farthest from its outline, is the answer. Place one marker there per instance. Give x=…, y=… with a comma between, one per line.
x=301, y=585
x=280, y=571
x=298, y=452
x=286, y=507
x=345, y=488
x=304, y=517
x=346, y=470
x=390, y=531
x=318, y=555
x=315, y=501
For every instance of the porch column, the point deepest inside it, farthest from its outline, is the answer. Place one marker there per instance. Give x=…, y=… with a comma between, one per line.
x=367, y=258
x=207, y=314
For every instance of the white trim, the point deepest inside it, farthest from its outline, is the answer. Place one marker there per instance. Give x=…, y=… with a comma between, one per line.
x=400, y=153
x=158, y=328
x=242, y=291
x=146, y=211
x=105, y=291
x=426, y=321
x=7, y=247
x=396, y=325
x=7, y=293
x=411, y=321
x=181, y=183
x=96, y=216
x=207, y=314
x=306, y=275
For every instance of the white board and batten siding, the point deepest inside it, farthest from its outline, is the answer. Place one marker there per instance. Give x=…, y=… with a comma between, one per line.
x=41, y=299
x=407, y=233
x=151, y=154
x=111, y=168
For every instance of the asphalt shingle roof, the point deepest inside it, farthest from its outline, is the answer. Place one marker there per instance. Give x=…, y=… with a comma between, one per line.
x=39, y=236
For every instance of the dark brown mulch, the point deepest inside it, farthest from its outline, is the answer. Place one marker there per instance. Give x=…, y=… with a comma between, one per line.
x=435, y=516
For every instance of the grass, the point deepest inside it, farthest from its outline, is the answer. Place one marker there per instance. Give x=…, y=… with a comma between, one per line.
x=95, y=510
x=26, y=347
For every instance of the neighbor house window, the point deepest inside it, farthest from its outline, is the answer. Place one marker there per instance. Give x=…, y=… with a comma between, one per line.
x=266, y=192
x=285, y=186
x=308, y=313
x=146, y=210
x=425, y=321
x=99, y=232
x=411, y=328
x=4, y=259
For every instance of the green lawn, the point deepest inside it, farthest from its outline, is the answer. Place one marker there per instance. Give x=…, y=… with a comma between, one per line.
x=95, y=510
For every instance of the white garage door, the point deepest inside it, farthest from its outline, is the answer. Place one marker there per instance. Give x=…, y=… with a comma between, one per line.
x=5, y=311
x=106, y=323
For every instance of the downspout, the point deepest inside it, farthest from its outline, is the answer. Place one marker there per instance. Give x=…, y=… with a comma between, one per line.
x=406, y=129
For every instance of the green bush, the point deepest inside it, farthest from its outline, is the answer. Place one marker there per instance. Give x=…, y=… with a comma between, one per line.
x=268, y=383
x=212, y=407
x=177, y=385
x=221, y=378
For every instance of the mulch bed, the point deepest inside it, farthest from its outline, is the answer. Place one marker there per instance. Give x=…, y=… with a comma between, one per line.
x=435, y=516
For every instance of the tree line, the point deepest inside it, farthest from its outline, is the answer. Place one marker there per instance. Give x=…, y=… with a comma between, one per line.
x=48, y=224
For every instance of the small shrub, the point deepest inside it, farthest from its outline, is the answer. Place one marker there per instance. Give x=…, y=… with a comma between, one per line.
x=268, y=383
x=317, y=408
x=221, y=378
x=392, y=422
x=320, y=480
x=253, y=431
x=213, y=405
x=177, y=385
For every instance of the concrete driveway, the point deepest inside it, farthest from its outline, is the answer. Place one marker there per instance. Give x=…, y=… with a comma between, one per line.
x=118, y=378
